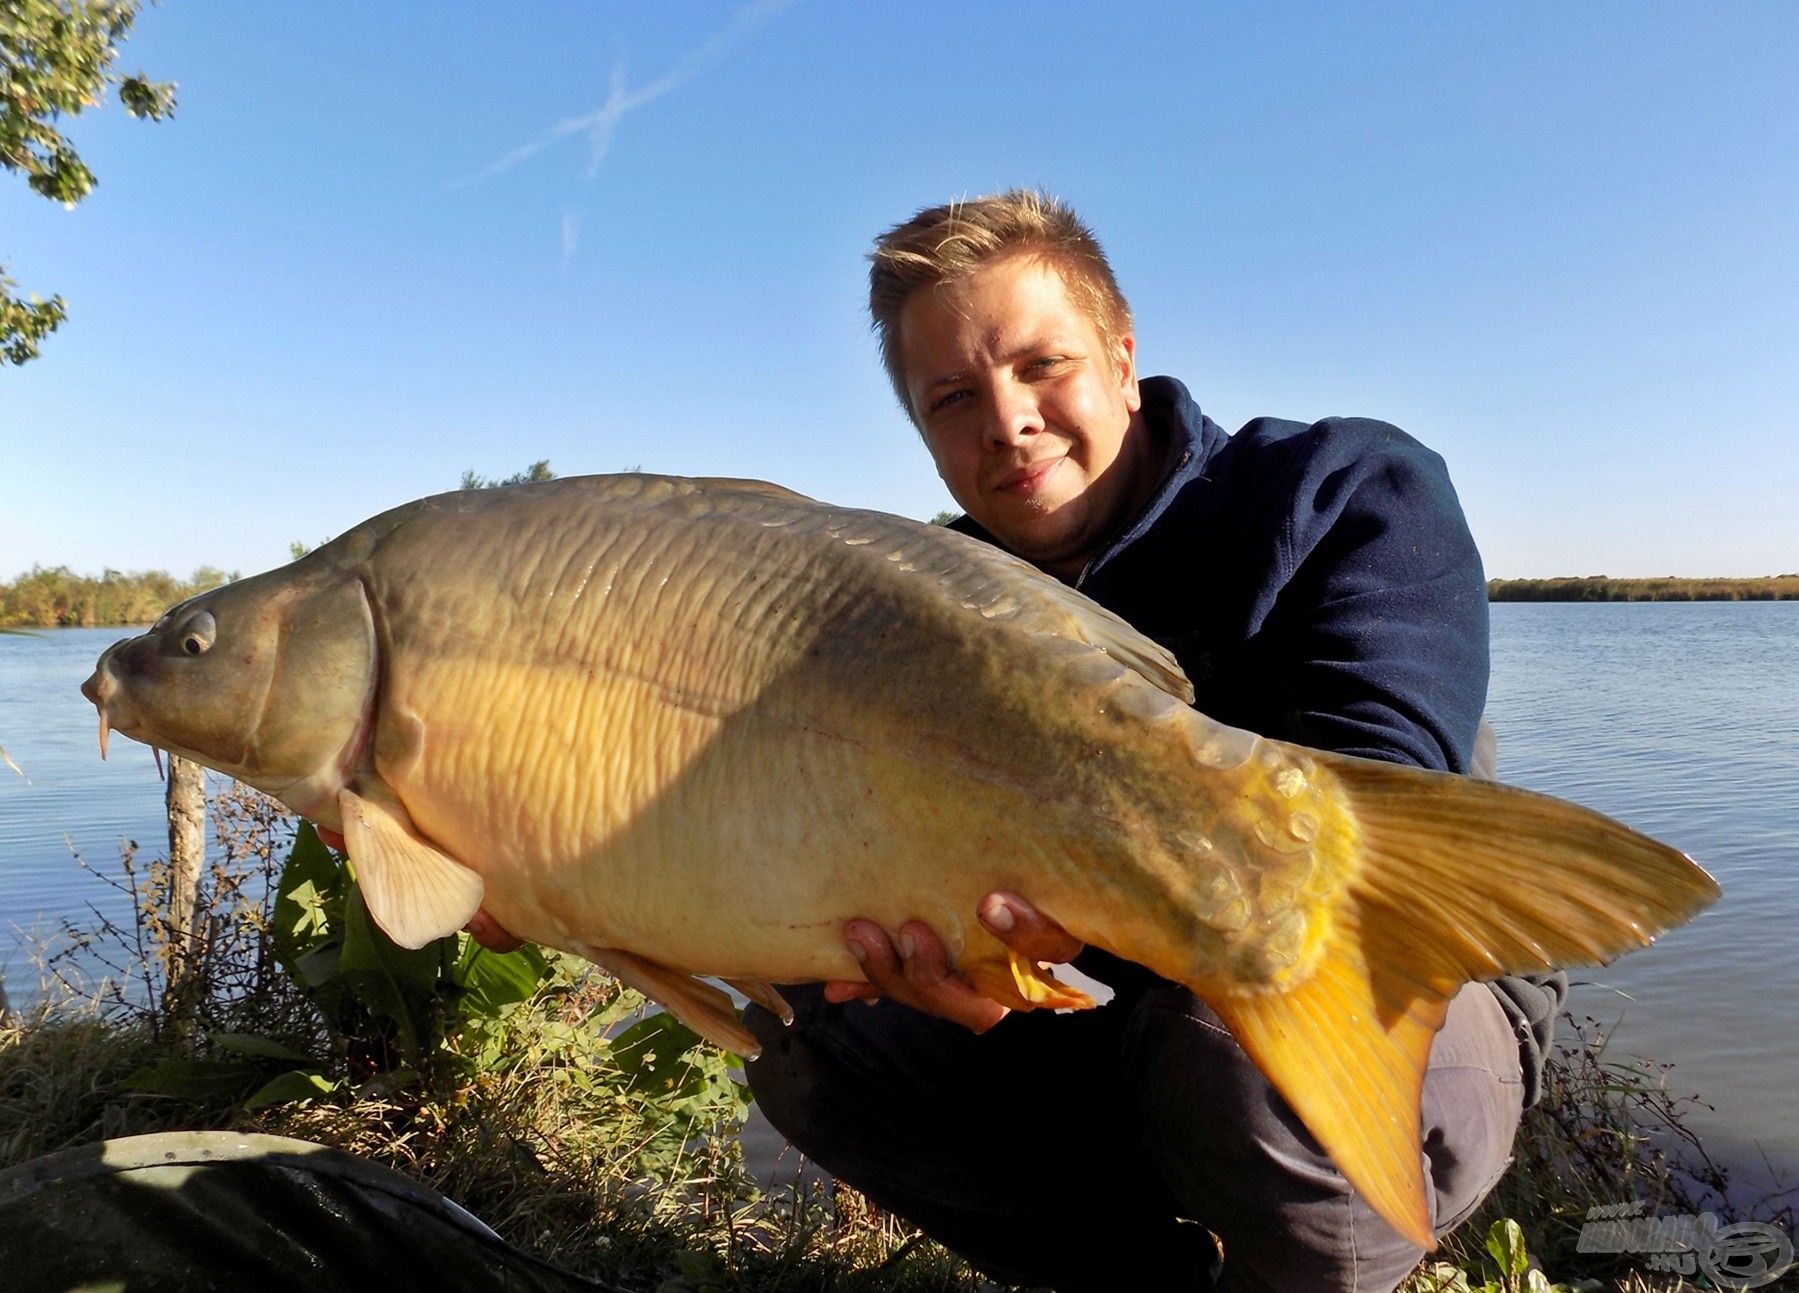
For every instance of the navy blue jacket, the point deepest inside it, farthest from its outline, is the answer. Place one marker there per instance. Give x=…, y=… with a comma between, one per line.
x=1319, y=585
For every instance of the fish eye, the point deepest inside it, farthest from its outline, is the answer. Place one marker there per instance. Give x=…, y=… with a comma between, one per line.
x=197, y=634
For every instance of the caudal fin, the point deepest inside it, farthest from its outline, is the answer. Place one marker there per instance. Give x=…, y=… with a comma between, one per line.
x=1450, y=880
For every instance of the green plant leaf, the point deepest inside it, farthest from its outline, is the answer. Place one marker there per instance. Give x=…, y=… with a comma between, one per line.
x=316, y=970
x=490, y=981
x=368, y=950
x=296, y=1084
x=262, y=1047
x=1505, y=1240
x=198, y=1080
x=308, y=897
x=653, y=1050
x=1444, y=1277
x=396, y=982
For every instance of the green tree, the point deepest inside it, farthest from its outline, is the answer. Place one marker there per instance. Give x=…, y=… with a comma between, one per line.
x=56, y=61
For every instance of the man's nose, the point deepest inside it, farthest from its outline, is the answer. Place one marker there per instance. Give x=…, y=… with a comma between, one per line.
x=1012, y=415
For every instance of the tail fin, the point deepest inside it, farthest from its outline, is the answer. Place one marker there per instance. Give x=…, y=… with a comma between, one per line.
x=1455, y=880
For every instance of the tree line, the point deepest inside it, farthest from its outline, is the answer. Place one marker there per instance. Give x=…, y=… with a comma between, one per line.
x=60, y=598
x=1603, y=588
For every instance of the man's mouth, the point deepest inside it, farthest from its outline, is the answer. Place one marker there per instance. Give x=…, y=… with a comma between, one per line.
x=1029, y=480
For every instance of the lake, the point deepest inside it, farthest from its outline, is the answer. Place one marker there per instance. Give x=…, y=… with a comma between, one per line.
x=1679, y=718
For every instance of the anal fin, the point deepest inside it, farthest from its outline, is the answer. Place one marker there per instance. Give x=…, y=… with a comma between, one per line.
x=415, y=891
x=1020, y=983
x=701, y=1006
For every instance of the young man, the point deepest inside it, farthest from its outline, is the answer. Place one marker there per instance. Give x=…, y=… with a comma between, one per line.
x=1319, y=585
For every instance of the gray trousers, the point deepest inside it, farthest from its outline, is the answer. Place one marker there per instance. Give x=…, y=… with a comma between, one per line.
x=1076, y=1151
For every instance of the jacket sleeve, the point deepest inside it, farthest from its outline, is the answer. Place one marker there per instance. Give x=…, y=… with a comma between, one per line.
x=1376, y=642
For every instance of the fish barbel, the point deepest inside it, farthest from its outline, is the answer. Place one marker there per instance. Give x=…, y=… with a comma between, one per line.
x=691, y=727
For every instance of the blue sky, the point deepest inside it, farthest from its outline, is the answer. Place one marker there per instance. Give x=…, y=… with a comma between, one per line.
x=381, y=244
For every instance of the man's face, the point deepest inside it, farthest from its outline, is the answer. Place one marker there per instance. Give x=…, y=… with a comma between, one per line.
x=1031, y=416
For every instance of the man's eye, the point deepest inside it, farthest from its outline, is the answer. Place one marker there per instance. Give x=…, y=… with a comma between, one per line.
x=947, y=401
x=1046, y=364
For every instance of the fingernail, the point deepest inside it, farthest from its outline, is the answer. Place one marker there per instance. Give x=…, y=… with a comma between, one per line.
x=907, y=946
x=857, y=950
x=997, y=916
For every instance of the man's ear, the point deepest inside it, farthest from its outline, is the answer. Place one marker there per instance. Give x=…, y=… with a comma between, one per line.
x=1125, y=353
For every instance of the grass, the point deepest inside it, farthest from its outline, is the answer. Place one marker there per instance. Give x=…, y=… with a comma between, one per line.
x=1608, y=1131
x=551, y=1122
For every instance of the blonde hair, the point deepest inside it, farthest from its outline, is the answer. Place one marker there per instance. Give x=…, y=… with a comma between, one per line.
x=944, y=244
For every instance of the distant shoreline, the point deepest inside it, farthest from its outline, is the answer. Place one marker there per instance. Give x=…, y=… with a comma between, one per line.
x=47, y=599
x=1603, y=588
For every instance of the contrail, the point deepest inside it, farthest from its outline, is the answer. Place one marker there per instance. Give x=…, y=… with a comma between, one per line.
x=621, y=99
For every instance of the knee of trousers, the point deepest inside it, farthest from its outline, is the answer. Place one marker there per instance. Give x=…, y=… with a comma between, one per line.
x=1226, y=1138
x=1237, y=1156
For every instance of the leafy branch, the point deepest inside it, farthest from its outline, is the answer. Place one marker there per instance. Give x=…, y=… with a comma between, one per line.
x=56, y=60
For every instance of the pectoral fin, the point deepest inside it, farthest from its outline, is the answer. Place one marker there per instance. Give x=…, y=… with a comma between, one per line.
x=701, y=1006
x=415, y=892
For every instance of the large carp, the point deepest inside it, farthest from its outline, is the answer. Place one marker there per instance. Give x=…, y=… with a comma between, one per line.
x=692, y=727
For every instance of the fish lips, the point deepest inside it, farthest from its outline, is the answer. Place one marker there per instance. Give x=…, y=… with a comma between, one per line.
x=103, y=690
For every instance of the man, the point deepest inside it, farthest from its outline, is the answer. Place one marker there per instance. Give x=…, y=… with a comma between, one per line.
x=1319, y=585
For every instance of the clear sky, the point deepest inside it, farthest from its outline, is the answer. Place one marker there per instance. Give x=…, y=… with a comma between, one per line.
x=380, y=244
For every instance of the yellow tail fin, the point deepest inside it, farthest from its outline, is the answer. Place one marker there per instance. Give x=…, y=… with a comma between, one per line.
x=1451, y=880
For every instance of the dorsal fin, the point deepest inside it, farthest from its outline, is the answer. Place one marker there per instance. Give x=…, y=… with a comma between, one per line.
x=1001, y=587
x=983, y=579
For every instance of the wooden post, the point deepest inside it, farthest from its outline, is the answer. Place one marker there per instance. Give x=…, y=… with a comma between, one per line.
x=182, y=942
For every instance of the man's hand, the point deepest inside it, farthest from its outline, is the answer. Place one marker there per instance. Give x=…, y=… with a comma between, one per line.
x=484, y=929
x=917, y=973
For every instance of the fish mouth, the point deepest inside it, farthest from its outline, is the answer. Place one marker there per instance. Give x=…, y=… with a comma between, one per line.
x=100, y=688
